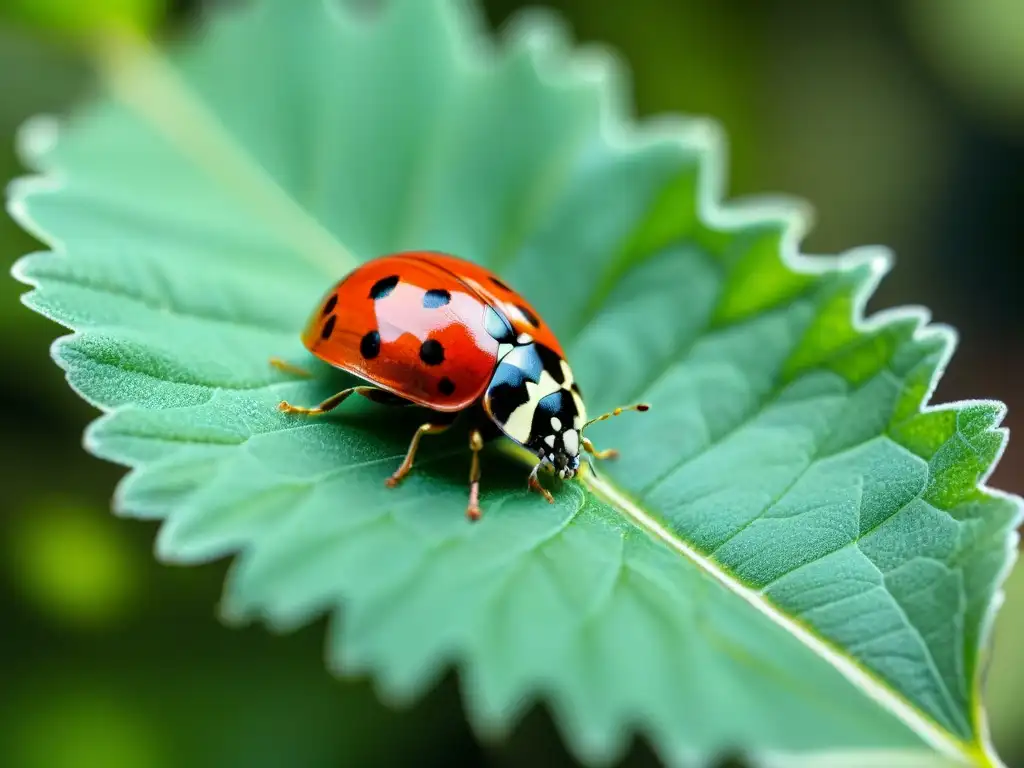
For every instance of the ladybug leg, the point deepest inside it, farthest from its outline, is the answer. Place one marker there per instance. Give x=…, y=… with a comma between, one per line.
x=609, y=453
x=534, y=485
x=284, y=365
x=329, y=404
x=406, y=468
x=476, y=444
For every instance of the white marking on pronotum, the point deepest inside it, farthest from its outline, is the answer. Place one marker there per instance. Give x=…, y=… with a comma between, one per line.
x=567, y=378
x=581, y=411
x=550, y=440
x=572, y=442
x=524, y=338
x=556, y=423
x=852, y=671
x=520, y=421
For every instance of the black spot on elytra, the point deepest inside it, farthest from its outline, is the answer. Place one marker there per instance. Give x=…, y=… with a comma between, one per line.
x=331, y=304
x=436, y=297
x=531, y=318
x=432, y=352
x=500, y=284
x=446, y=386
x=328, y=329
x=369, y=347
x=383, y=287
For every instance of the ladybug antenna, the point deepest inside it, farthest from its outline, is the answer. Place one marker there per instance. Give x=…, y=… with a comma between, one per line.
x=641, y=407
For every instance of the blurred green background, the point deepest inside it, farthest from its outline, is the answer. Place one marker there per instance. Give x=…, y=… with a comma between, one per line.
x=903, y=124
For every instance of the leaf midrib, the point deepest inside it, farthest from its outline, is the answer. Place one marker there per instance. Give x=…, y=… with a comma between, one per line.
x=877, y=689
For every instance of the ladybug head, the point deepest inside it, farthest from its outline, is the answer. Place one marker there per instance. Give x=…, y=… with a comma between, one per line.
x=555, y=434
x=558, y=449
x=566, y=461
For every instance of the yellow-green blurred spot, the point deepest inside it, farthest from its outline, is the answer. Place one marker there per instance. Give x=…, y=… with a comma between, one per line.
x=979, y=47
x=71, y=563
x=79, y=17
x=83, y=729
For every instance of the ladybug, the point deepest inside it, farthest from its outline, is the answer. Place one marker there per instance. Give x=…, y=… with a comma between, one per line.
x=436, y=331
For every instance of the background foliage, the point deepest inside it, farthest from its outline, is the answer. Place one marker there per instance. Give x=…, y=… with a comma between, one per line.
x=821, y=103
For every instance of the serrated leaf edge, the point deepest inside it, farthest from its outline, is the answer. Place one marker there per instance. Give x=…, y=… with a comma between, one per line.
x=130, y=55
x=723, y=215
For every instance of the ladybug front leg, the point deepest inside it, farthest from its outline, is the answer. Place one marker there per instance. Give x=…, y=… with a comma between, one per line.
x=534, y=484
x=329, y=404
x=406, y=468
x=609, y=453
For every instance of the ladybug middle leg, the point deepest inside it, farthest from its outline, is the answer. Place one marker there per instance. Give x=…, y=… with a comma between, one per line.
x=430, y=428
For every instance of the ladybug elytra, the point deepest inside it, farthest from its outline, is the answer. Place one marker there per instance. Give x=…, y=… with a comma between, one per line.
x=433, y=330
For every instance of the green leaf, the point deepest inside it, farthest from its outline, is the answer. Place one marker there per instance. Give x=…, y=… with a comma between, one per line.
x=76, y=20
x=794, y=553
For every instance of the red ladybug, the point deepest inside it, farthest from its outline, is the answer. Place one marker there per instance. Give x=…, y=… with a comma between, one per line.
x=443, y=333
